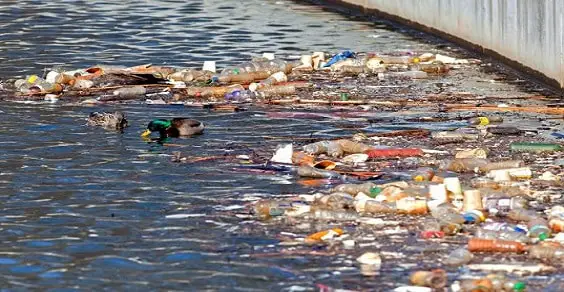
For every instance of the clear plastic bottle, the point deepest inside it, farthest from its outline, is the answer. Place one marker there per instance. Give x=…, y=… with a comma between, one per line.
x=265, y=209
x=336, y=201
x=435, y=279
x=240, y=96
x=546, y=252
x=316, y=148
x=271, y=66
x=277, y=90
x=333, y=215
x=308, y=171
x=510, y=235
x=459, y=257
x=445, y=137
x=410, y=74
x=435, y=67
x=463, y=164
x=538, y=228
x=353, y=189
x=501, y=165
x=423, y=174
x=376, y=207
x=522, y=215
x=505, y=205
x=447, y=213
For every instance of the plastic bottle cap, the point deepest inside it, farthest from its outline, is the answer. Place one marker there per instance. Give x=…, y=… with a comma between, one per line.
x=375, y=191
x=32, y=78
x=543, y=236
x=484, y=121
x=419, y=178
x=519, y=286
x=344, y=97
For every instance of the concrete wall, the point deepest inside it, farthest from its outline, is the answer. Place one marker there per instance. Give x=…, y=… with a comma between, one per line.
x=529, y=32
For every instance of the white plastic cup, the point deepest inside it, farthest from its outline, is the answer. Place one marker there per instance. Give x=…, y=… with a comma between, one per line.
x=318, y=57
x=452, y=184
x=209, y=66
x=307, y=60
x=268, y=56
x=438, y=192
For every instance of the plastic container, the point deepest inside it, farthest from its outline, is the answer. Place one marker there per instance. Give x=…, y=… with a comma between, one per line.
x=513, y=173
x=458, y=257
x=535, y=147
x=277, y=90
x=273, y=79
x=472, y=200
x=509, y=235
x=494, y=245
x=333, y=215
x=435, y=279
x=452, y=184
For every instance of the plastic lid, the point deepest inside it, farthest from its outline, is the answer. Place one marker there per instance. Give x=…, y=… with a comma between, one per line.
x=543, y=236
x=519, y=286
x=375, y=191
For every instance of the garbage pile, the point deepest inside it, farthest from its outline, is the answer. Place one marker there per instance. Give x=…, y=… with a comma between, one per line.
x=478, y=201
x=264, y=78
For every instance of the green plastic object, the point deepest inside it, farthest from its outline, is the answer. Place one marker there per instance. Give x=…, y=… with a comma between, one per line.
x=344, y=96
x=535, y=147
x=519, y=286
x=375, y=191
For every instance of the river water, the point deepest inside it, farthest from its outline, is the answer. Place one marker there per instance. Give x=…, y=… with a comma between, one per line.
x=84, y=208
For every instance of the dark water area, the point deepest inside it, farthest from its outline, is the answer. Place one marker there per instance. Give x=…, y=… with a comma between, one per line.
x=85, y=209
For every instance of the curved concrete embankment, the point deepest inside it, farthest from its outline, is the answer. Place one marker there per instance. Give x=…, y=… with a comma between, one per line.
x=528, y=34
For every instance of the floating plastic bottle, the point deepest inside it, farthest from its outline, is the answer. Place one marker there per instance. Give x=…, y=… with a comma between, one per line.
x=435, y=67
x=337, y=201
x=240, y=96
x=546, y=252
x=370, y=189
x=408, y=74
x=130, y=92
x=277, y=90
x=474, y=217
x=412, y=206
x=399, y=59
x=538, y=228
x=535, y=147
x=472, y=200
x=507, y=164
x=481, y=153
x=269, y=66
x=504, y=130
x=423, y=174
x=510, y=235
x=502, y=283
x=513, y=173
x=445, y=137
x=478, y=285
x=435, y=279
x=518, y=214
x=265, y=209
x=484, y=121
x=273, y=79
x=333, y=215
x=494, y=245
x=459, y=257
x=246, y=77
x=383, y=153
x=463, y=164
x=376, y=207
x=316, y=148
x=446, y=212
x=504, y=205
x=308, y=171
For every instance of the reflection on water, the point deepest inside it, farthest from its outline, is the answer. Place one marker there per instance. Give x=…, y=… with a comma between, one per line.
x=84, y=207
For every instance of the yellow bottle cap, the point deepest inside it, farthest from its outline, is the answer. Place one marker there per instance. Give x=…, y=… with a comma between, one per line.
x=484, y=121
x=32, y=79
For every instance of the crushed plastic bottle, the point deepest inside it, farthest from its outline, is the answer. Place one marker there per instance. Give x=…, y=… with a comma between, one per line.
x=308, y=171
x=435, y=67
x=510, y=235
x=435, y=279
x=423, y=174
x=376, y=207
x=446, y=212
x=337, y=201
x=370, y=189
x=546, y=252
x=458, y=257
x=518, y=214
x=265, y=209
